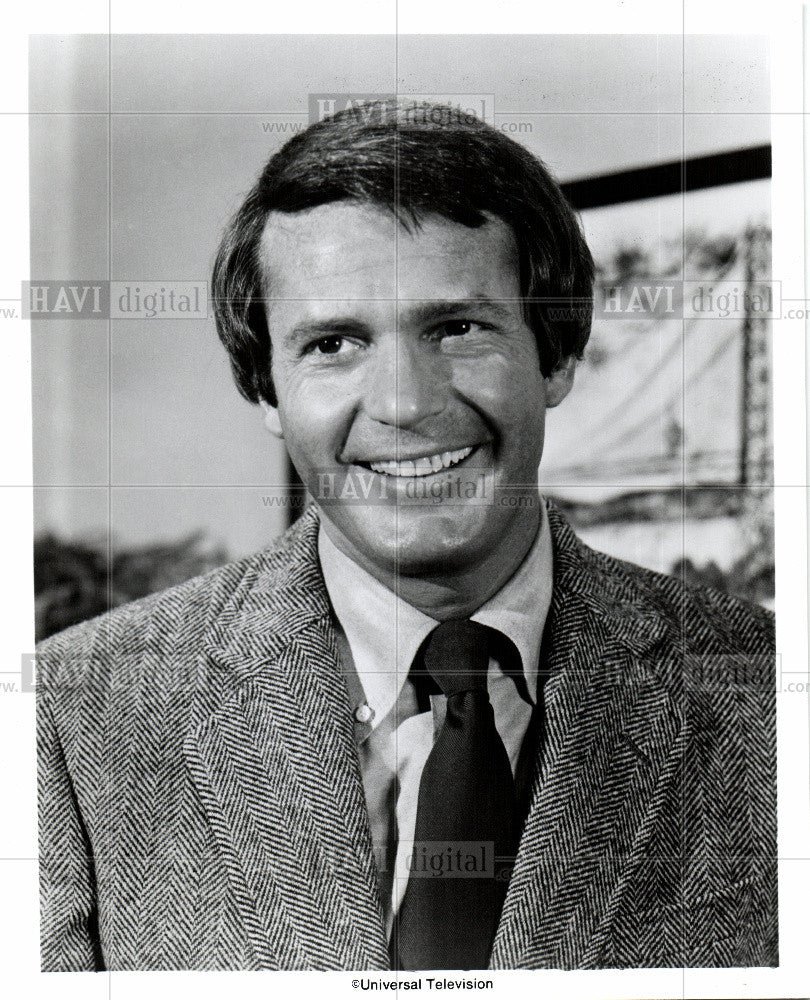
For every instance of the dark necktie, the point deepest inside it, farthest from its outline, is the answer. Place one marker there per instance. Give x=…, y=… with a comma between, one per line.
x=466, y=818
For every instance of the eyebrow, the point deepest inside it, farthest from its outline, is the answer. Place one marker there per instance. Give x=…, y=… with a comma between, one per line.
x=437, y=309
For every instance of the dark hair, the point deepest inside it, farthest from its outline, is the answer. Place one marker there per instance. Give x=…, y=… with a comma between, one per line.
x=415, y=160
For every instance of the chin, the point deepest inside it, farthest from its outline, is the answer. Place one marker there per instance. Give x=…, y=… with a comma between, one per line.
x=424, y=543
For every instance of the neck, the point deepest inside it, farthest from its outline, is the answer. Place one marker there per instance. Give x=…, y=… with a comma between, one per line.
x=445, y=592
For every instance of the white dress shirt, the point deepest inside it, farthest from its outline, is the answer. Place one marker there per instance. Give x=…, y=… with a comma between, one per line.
x=379, y=635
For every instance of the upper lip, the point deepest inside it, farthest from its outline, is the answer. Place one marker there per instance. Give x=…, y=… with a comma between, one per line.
x=410, y=456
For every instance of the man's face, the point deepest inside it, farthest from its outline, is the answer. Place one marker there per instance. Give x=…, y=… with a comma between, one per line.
x=405, y=373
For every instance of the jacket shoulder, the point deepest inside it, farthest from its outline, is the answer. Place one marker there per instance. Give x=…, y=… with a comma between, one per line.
x=169, y=621
x=701, y=617
x=638, y=603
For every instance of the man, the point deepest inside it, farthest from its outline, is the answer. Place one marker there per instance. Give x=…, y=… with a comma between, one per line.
x=429, y=728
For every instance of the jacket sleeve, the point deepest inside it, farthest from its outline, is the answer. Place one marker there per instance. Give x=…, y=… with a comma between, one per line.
x=68, y=908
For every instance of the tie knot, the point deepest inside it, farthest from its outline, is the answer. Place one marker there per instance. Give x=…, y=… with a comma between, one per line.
x=456, y=655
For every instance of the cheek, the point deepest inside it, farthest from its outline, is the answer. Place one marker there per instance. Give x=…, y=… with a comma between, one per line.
x=314, y=418
x=511, y=395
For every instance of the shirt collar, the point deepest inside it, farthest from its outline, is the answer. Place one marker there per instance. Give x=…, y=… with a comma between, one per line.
x=384, y=632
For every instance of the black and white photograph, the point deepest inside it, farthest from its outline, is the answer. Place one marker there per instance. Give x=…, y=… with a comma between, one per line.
x=418, y=506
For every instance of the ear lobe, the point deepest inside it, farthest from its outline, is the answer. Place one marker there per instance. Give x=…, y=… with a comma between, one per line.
x=271, y=419
x=560, y=381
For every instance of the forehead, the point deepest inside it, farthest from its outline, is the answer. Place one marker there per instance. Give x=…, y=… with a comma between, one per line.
x=348, y=250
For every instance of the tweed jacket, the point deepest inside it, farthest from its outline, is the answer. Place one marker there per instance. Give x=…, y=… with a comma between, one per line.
x=202, y=804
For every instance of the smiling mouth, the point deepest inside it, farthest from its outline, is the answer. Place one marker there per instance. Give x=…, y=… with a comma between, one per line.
x=425, y=466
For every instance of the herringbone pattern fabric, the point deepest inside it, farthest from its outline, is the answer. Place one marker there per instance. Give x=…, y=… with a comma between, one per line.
x=202, y=806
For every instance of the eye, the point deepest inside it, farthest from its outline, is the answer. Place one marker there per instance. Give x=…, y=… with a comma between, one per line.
x=330, y=345
x=457, y=327
x=460, y=330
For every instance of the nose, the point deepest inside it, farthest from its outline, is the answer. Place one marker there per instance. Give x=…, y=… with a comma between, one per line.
x=406, y=383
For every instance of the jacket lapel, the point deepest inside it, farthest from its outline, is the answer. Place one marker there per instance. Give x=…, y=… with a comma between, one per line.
x=613, y=739
x=277, y=771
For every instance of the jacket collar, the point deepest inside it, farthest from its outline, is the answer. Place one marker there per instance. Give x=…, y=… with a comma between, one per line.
x=277, y=769
x=606, y=587
x=281, y=592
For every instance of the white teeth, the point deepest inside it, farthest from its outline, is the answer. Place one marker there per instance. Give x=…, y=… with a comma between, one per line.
x=421, y=466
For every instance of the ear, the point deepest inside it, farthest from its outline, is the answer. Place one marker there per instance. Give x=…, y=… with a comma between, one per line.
x=271, y=420
x=560, y=381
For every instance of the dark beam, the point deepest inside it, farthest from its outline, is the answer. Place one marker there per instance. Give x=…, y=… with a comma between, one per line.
x=675, y=177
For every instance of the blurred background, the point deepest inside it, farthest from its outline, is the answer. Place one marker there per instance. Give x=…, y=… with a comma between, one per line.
x=149, y=467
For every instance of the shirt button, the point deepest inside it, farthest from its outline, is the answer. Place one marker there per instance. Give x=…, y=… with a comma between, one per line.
x=364, y=713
